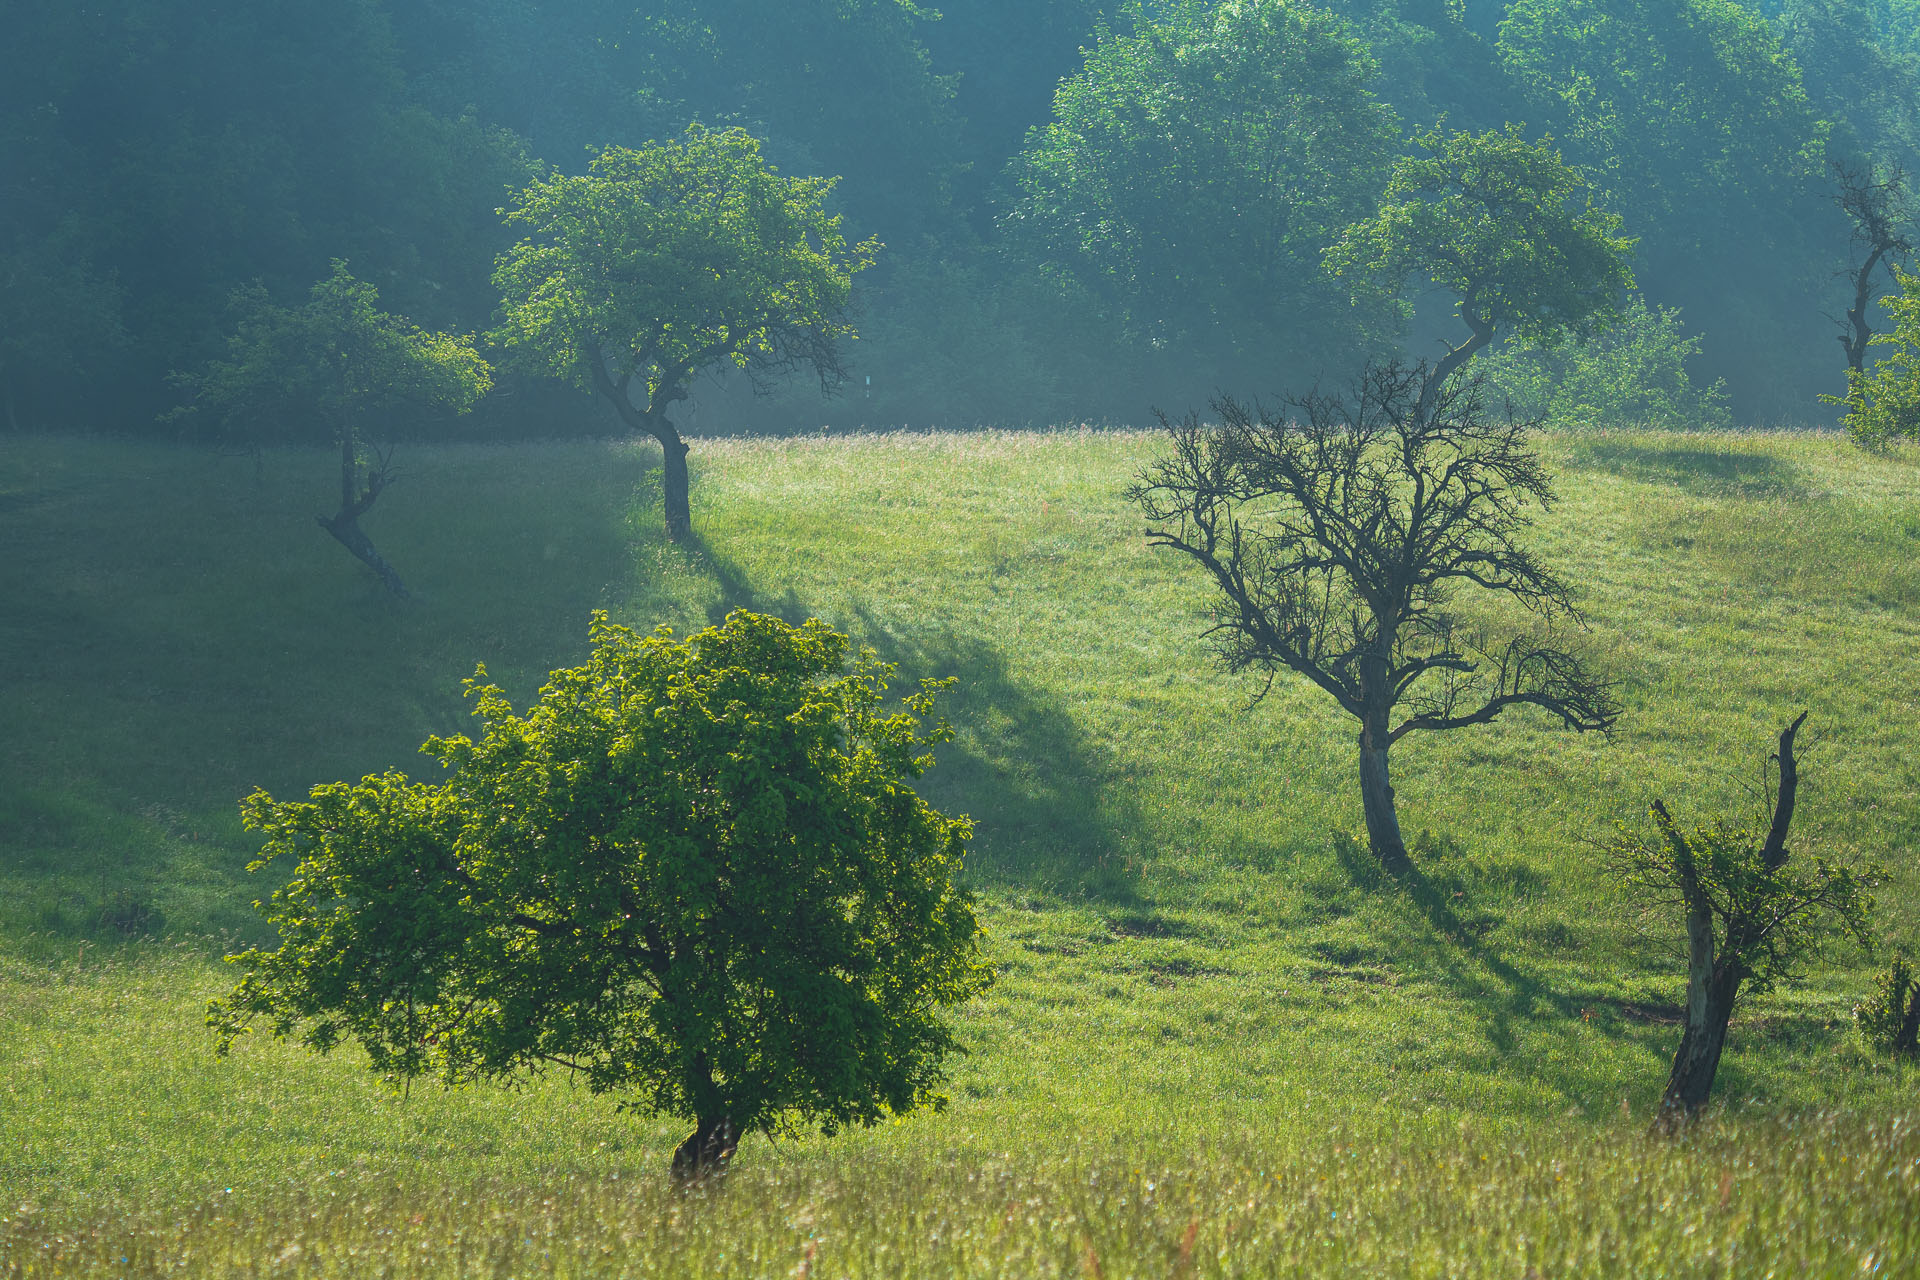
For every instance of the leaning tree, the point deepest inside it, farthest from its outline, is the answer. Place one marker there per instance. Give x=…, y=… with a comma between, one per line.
x=1752, y=912
x=694, y=874
x=662, y=263
x=1339, y=536
x=1504, y=225
x=341, y=360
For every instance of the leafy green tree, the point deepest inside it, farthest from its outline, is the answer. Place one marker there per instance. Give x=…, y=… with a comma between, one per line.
x=342, y=360
x=1507, y=228
x=662, y=263
x=1195, y=169
x=1883, y=404
x=1693, y=121
x=1752, y=914
x=695, y=874
x=1632, y=374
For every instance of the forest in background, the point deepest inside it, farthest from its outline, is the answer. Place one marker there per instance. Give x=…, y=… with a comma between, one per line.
x=1081, y=213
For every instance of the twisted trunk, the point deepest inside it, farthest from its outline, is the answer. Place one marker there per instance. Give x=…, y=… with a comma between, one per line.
x=1857, y=341
x=1713, y=978
x=344, y=524
x=1711, y=991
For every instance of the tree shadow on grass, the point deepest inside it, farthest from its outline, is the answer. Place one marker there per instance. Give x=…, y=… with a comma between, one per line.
x=1703, y=473
x=1451, y=898
x=167, y=676
x=1051, y=812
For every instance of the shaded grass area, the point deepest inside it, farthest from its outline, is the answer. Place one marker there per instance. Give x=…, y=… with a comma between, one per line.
x=1194, y=956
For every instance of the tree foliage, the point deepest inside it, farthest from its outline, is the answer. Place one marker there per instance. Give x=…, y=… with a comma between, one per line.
x=1883, y=404
x=1506, y=227
x=1339, y=538
x=664, y=262
x=1634, y=373
x=1693, y=120
x=695, y=873
x=1890, y=1018
x=341, y=361
x=1196, y=167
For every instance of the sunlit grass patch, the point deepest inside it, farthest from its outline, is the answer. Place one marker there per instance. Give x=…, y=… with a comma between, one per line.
x=1200, y=972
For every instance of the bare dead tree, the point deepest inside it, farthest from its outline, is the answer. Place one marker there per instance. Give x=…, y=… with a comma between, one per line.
x=1875, y=200
x=1749, y=917
x=1338, y=535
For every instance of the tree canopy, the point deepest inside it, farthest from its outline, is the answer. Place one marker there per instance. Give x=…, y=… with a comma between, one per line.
x=1170, y=169
x=695, y=874
x=341, y=361
x=1195, y=169
x=664, y=262
x=1506, y=227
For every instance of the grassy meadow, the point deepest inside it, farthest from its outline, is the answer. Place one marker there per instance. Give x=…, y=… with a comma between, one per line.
x=1218, y=1045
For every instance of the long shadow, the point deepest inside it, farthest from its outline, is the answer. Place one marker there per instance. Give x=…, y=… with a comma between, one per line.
x=1706, y=473
x=1048, y=815
x=236, y=648
x=1448, y=903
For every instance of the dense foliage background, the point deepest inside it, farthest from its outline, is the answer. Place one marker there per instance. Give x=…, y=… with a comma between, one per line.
x=158, y=155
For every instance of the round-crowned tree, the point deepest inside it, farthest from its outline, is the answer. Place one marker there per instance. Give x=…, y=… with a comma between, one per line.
x=696, y=873
x=663, y=263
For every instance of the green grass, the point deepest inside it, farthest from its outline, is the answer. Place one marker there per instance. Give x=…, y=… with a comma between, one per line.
x=1199, y=972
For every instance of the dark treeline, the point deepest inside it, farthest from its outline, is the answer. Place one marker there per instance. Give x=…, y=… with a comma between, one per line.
x=1087, y=207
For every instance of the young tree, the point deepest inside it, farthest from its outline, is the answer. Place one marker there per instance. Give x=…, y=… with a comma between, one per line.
x=342, y=359
x=695, y=874
x=1507, y=228
x=1338, y=538
x=664, y=262
x=1875, y=202
x=1883, y=404
x=1750, y=917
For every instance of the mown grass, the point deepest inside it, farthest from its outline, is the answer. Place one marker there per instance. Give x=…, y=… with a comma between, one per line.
x=1199, y=971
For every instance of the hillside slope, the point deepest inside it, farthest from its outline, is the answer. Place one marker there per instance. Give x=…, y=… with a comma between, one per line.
x=1188, y=941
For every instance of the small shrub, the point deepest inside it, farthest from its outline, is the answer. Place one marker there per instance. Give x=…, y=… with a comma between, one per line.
x=1634, y=374
x=1890, y=1019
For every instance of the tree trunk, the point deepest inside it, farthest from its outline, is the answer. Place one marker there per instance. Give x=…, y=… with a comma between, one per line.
x=1438, y=375
x=346, y=530
x=679, y=515
x=344, y=524
x=1376, y=800
x=1907, y=1039
x=707, y=1150
x=1861, y=337
x=654, y=421
x=1711, y=990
